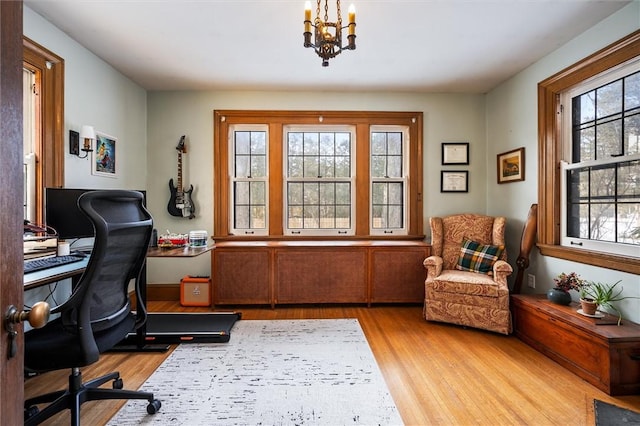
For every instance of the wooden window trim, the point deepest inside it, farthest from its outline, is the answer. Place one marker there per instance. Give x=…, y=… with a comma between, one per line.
x=550, y=152
x=276, y=120
x=49, y=125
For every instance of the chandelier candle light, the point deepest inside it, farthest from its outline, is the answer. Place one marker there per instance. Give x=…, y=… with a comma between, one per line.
x=328, y=35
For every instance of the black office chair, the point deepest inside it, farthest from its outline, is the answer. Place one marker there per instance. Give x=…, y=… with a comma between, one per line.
x=98, y=314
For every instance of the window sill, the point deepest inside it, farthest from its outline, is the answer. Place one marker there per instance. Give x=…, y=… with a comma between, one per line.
x=604, y=260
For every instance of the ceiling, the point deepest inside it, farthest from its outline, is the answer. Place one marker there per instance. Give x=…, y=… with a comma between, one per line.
x=455, y=46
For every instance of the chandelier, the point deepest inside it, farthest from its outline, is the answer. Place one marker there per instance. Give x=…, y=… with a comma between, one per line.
x=328, y=35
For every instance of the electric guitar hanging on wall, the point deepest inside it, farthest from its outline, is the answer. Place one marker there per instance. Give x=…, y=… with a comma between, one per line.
x=180, y=203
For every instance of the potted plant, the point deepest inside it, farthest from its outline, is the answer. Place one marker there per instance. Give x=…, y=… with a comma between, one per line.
x=563, y=284
x=602, y=294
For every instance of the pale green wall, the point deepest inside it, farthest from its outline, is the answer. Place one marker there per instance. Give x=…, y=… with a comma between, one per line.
x=97, y=95
x=512, y=114
x=171, y=114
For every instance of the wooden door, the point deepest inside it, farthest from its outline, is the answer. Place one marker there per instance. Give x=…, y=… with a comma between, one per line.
x=11, y=270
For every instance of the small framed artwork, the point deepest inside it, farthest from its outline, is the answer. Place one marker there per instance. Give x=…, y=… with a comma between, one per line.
x=105, y=156
x=511, y=166
x=454, y=181
x=455, y=153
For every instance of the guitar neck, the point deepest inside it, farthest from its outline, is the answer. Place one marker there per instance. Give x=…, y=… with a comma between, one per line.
x=180, y=171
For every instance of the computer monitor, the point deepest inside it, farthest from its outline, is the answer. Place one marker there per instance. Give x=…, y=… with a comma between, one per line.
x=63, y=214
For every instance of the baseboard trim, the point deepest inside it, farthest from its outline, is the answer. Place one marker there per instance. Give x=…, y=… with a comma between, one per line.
x=163, y=292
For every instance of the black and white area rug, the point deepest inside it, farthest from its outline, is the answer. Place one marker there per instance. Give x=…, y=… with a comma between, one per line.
x=612, y=415
x=279, y=372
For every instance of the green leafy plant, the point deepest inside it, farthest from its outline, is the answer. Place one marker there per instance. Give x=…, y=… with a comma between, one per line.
x=604, y=295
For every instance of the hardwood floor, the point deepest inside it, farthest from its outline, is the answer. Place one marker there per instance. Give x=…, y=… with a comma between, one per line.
x=438, y=374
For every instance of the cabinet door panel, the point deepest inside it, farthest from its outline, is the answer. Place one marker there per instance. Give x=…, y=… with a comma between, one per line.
x=321, y=276
x=398, y=275
x=241, y=276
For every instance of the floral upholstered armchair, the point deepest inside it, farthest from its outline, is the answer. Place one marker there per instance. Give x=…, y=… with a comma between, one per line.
x=467, y=274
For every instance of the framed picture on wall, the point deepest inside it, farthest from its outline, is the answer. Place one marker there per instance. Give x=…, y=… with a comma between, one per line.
x=455, y=153
x=454, y=181
x=105, y=156
x=511, y=166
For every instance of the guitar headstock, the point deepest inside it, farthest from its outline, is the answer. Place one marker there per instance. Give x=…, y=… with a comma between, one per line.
x=181, y=147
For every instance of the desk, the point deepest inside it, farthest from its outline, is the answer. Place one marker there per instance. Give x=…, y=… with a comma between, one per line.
x=75, y=270
x=57, y=273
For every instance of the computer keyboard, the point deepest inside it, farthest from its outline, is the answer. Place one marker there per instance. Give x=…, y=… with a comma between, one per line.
x=33, y=265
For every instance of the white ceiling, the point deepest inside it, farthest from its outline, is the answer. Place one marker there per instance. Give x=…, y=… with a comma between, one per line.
x=465, y=46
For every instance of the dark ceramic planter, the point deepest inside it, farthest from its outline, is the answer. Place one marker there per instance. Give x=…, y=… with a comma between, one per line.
x=558, y=296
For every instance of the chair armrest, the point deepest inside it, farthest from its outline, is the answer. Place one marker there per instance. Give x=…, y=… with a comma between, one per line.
x=433, y=265
x=501, y=270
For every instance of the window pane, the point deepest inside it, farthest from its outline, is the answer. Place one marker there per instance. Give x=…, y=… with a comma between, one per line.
x=295, y=143
x=394, y=166
x=259, y=166
x=294, y=193
x=311, y=167
x=632, y=135
x=258, y=217
x=602, y=185
x=343, y=193
x=326, y=168
x=602, y=222
x=242, y=166
x=343, y=166
x=378, y=143
x=327, y=193
x=241, y=193
x=343, y=144
x=584, y=108
x=242, y=145
x=311, y=143
x=609, y=139
x=327, y=144
x=587, y=144
x=632, y=91
x=609, y=99
x=395, y=217
x=295, y=167
x=629, y=223
x=241, y=217
x=257, y=193
x=394, y=142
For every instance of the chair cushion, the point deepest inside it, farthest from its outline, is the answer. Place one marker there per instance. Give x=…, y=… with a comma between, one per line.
x=477, y=257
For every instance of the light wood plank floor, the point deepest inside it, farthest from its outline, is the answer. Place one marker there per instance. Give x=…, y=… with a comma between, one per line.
x=438, y=374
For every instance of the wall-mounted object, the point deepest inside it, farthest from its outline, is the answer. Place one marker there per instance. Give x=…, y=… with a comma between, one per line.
x=74, y=143
x=455, y=153
x=454, y=181
x=87, y=134
x=105, y=156
x=511, y=166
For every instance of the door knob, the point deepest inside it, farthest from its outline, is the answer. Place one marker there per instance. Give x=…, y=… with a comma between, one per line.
x=37, y=317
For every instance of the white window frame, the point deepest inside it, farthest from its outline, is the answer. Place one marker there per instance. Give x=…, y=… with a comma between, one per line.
x=232, y=179
x=566, y=97
x=321, y=128
x=404, y=179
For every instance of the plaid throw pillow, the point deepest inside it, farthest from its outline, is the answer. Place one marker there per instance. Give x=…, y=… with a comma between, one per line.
x=478, y=257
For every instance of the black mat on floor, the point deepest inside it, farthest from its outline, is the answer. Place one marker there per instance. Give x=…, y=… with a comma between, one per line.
x=190, y=327
x=611, y=415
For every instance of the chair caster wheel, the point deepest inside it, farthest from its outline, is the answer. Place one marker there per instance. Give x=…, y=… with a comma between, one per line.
x=154, y=406
x=30, y=412
x=117, y=384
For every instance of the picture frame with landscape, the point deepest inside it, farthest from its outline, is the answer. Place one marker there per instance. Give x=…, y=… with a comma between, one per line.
x=511, y=166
